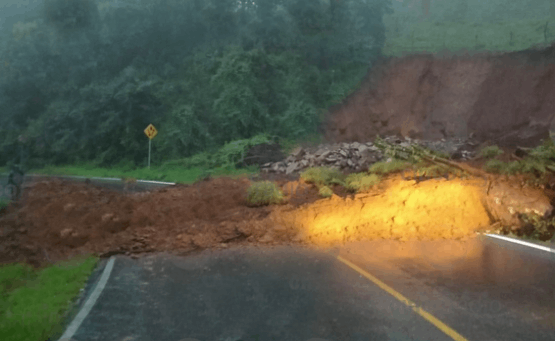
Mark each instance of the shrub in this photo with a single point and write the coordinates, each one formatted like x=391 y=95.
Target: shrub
x=490 y=152
x=494 y=166
x=546 y=151
x=3 y=204
x=323 y=176
x=542 y=228
x=264 y=193
x=513 y=167
x=385 y=167
x=361 y=182
x=325 y=192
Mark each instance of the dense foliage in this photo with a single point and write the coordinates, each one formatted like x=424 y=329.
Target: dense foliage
x=81 y=79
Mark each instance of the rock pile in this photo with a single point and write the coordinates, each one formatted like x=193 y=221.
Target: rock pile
x=355 y=156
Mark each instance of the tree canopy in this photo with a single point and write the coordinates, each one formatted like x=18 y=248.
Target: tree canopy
x=81 y=79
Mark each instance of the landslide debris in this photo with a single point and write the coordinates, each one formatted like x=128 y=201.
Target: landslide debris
x=505 y=98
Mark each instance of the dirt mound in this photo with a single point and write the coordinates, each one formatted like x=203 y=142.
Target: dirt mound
x=397 y=210
x=505 y=98
x=59 y=219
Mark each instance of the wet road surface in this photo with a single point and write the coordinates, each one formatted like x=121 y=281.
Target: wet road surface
x=483 y=289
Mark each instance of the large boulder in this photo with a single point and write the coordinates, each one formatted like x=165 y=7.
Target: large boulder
x=506 y=201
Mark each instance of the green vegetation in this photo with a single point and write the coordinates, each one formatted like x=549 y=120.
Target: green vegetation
x=4 y=203
x=272 y=68
x=325 y=192
x=264 y=193
x=358 y=182
x=542 y=228
x=435 y=170
x=33 y=302
x=538 y=161
x=163 y=173
x=323 y=176
x=221 y=162
x=490 y=152
x=443 y=34
x=393 y=166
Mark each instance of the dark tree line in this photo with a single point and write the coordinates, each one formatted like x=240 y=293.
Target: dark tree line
x=82 y=79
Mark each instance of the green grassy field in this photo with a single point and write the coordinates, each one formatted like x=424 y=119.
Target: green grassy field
x=33 y=302
x=169 y=174
x=435 y=37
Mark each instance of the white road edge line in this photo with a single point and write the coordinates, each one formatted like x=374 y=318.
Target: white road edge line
x=80 y=317
x=99 y=178
x=521 y=242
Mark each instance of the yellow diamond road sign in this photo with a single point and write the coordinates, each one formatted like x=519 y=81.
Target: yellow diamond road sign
x=151 y=132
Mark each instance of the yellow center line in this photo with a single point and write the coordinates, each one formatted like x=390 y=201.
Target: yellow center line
x=429 y=317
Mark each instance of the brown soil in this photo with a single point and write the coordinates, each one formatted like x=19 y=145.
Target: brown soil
x=59 y=219
x=507 y=99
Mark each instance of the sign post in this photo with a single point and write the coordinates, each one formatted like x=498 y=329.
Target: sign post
x=150 y=132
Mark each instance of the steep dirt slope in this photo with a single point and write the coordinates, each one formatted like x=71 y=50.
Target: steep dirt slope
x=508 y=99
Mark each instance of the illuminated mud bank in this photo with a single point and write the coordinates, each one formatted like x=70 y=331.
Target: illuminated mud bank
x=398 y=210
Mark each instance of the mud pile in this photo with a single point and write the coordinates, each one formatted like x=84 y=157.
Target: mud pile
x=508 y=99
x=60 y=219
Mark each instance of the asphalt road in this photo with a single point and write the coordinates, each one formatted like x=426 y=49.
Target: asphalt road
x=492 y=290
x=484 y=289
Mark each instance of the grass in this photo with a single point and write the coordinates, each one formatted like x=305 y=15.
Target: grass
x=323 y=176
x=159 y=173
x=264 y=193
x=325 y=192
x=393 y=166
x=358 y=182
x=490 y=152
x=434 y=37
x=33 y=302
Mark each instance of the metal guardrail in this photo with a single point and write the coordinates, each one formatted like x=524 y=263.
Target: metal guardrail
x=12 y=189
x=101 y=179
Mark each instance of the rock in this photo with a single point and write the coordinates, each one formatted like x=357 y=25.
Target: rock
x=321 y=151
x=325 y=154
x=506 y=202
x=297 y=153
x=68 y=207
x=291 y=168
x=267 y=238
x=362 y=148
x=66 y=232
x=107 y=217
